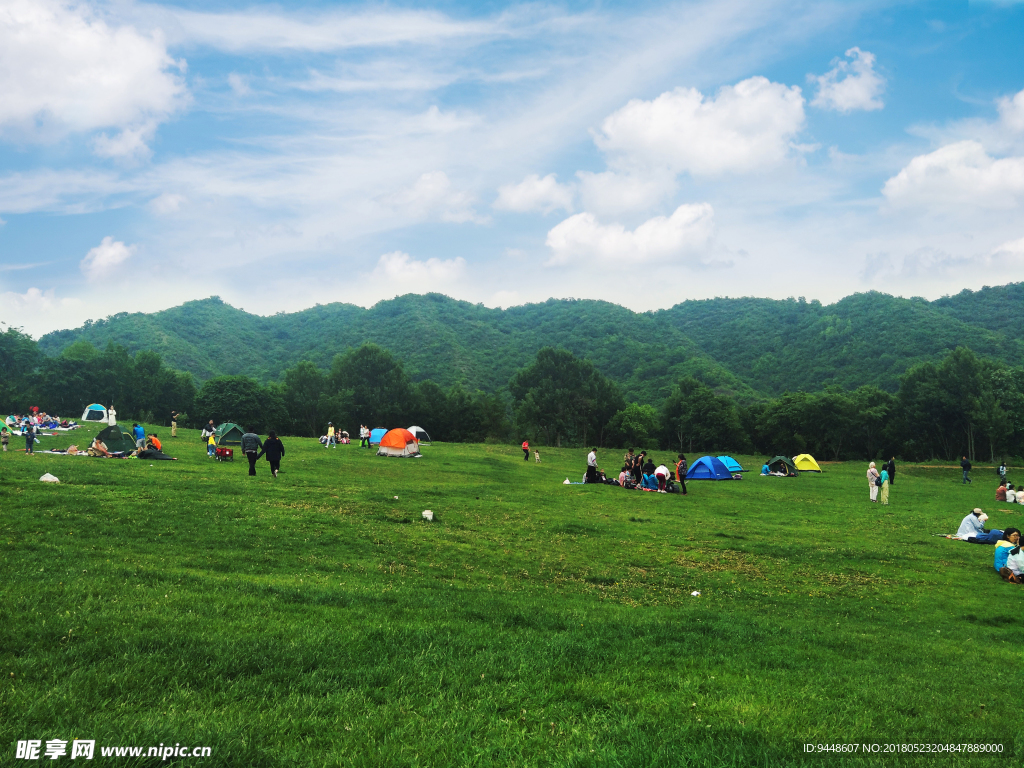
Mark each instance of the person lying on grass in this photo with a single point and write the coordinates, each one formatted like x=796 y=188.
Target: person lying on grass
x=1011 y=539
x=972 y=529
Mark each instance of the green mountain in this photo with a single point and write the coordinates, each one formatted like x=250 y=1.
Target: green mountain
x=744 y=347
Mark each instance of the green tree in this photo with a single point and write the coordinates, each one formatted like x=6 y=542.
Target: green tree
x=634 y=425
x=243 y=401
x=372 y=380
x=694 y=418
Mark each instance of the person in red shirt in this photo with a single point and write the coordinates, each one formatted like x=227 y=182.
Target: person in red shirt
x=526 y=450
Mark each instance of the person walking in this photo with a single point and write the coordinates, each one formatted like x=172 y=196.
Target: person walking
x=891 y=469
x=885 y=487
x=30 y=439
x=273 y=449
x=965 y=465
x=251 y=447
x=872 y=484
x=526 y=450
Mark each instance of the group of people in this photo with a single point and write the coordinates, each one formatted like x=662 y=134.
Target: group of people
x=880 y=482
x=255 y=449
x=1008 y=560
x=1006 y=492
x=334 y=437
x=639 y=472
x=29 y=427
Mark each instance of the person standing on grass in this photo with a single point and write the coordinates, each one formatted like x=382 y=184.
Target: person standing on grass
x=661 y=473
x=140 y=436
x=273 y=449
x=330 y=436
x=681 y=467
x=872 y=485
x=251 y=447
x=891 y=469
x=526 y=450
x=5 y=438
x=111 y=416
x=592 y=476
x=965 y=465
x=885 y=487
x=174 y=423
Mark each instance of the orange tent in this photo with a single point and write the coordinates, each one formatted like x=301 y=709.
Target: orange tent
x=399 y=442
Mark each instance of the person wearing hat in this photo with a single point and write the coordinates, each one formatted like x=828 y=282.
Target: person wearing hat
x=972 y=529
x=330 y=436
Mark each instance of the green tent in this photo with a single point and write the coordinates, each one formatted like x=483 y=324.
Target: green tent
x=783 y=464
x=228 y=434
x=116 y=440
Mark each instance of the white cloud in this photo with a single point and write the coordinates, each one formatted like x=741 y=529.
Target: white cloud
x=505 y=299
x=432 y=196
x=254 y=30
x=62 y=70
x=610 y=193
x=746 y=127
x=582 y=238
x=239 y=84
x=960 y=174
x=850 y=85
x=21 y=309
x=1011 y=111
x=535 y=194
x=401 y=268
x=167 y=203
x=102 y=260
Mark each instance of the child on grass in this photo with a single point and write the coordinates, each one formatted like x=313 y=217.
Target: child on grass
x=211 y=445
x=5 y=438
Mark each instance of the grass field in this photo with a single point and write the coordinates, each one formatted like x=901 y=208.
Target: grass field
x=317 y=620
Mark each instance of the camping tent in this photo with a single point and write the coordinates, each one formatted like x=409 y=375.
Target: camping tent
x=377 y=434
x=420 y=434
x=730 y=463
x=95 y=413
x=708 y=468
x=398 y=442
x=806 y=463
x=228 y=434
x=782 y=464
x=116 y=440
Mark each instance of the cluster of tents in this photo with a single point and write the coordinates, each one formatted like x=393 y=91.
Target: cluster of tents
x=727 y=468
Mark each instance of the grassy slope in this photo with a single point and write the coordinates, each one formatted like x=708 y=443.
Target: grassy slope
x=316 y=620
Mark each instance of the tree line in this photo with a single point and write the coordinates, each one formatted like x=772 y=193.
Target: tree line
x=961 y=405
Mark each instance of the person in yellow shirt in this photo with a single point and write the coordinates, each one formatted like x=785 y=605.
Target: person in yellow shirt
x=211 y=445
x=330 y=436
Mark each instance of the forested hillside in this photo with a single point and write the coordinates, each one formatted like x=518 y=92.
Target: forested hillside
x=741 y=347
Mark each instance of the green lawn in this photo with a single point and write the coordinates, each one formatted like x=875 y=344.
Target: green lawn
x=318 y=620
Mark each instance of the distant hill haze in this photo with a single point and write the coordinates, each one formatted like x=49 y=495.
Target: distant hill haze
x=743 y=347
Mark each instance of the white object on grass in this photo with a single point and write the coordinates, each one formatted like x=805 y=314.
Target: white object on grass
x=48 y=478
x=567 y=482
x=695 y=593
x=427 y=514
x=396 y=498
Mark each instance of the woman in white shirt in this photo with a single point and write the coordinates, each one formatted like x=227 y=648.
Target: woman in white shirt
x=872 y=475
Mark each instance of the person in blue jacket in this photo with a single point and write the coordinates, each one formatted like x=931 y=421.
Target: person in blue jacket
x=1011 y=538
x=140 y=436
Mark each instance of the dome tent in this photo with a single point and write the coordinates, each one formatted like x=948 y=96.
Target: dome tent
x=228 y=434
x=377 y=434
x=400 y=443
x=783 y=464
x=95 y=413
x=708 y=468
x=420 y=434
x=806 y=463
x=116 y=440
x=730 y=463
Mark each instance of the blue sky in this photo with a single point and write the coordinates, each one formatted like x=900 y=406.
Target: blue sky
x=643 y=153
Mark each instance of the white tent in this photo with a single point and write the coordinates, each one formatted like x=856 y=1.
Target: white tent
x=95 y=414
x=420 y=434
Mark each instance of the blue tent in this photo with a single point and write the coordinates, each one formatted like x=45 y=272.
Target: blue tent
x=708 y=468
x=730 y=463
x=376 y=435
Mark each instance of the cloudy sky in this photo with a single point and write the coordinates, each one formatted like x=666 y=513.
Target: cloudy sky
x=644 y=153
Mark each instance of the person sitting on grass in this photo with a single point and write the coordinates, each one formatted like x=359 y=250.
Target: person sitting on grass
x=1011 y=495
x=1015 y=564
x=154 y=441
x=98 y=448
x=1011 y=539
x=1001 y=491
x=972 y=529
